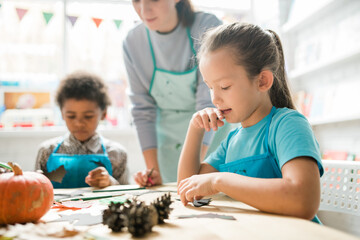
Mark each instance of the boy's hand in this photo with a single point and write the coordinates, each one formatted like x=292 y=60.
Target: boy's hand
x=99 y=177
x=141 y=178
x=4 y=170
x=208 y=118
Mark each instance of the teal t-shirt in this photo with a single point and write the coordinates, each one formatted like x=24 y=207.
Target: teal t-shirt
x=290 y=136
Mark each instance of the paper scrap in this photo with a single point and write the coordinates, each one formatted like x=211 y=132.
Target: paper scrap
x=207 y=215
x=72 y=205
x=82 y=219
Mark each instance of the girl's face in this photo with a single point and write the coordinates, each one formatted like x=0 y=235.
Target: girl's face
x=157 y=15
x=82 y=117
x=232 y=92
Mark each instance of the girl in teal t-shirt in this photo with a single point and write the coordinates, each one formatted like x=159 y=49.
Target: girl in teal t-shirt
x=272 y=162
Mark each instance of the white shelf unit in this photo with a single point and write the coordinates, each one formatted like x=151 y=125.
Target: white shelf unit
x=325 y=64
x=313 y=14
x=322 y=52
x=318 y=122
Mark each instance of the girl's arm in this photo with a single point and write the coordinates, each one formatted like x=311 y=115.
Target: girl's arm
x=296 y=194
x=193 y=150
x=189 y=163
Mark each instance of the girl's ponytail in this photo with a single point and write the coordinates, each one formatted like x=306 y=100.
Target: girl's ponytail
x=280 y=93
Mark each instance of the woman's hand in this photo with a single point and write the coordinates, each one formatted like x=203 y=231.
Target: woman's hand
x=141 y=178
x=196 y=187
x=208 y=118
x=99 y=177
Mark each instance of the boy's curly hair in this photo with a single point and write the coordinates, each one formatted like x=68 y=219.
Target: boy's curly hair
x=82 y=85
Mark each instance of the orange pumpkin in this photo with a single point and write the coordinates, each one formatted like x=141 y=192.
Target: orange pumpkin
x=24 y=197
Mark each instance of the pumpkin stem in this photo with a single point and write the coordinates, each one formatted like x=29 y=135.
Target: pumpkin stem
x=16 y=168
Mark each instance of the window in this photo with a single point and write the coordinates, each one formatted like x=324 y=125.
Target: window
x=42 y=41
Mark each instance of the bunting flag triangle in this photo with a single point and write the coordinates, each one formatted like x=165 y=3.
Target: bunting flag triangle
x=47 y=16
x=21 y=13
x=72 y=19
x=97 y=21
x=117 y=23
x=0 y=5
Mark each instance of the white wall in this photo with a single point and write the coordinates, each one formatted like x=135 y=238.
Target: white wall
x=21 y=146
x=322 y=53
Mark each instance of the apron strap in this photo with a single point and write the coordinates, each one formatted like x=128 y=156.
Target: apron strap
x=151 y=47
x=268 y=128
x=58 y=146
x=103 y=147
x=274 y=163
x=191 y=41
x=191 y=45
x=153 y=58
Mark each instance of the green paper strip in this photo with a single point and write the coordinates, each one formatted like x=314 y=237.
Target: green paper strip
x=4 y=165
x=84 y=198
x=91 y=236
x=107 y=201
x=118 y=190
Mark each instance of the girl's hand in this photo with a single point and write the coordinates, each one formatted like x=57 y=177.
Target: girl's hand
x=141 y=178
x=196 y=187
x=208 y=118
x=99 y=177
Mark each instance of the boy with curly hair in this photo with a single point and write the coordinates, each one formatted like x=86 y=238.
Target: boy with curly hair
x=82 y=157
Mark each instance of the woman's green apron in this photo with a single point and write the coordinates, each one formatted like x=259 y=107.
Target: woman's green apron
x=175 y=96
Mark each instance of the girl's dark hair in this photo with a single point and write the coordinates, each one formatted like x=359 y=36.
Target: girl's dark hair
x=82 y=85
x=185 y=12
x=256 y=49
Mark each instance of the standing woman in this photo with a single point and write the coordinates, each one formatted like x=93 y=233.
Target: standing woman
x=166 y=88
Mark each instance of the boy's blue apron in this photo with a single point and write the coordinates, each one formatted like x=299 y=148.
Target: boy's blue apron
x=258 y=166
x=175 y=96
x=76 y=166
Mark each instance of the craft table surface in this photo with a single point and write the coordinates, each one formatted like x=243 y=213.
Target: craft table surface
x=249 y=224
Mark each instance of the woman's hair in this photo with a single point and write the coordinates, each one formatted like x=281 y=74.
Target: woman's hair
x=185 y=12
x=256 y=49
x=82 y=85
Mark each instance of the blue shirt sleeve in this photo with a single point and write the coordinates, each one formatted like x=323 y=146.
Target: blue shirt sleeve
x=291 y=136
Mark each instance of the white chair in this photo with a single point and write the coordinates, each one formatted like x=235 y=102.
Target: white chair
x=340 y=192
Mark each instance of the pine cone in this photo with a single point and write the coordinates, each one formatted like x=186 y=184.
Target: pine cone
x=154 y=216
x=140 y=219
x=162 y=206
x=116 y=216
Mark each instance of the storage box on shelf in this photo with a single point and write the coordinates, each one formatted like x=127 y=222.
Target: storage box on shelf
x=340 y=192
